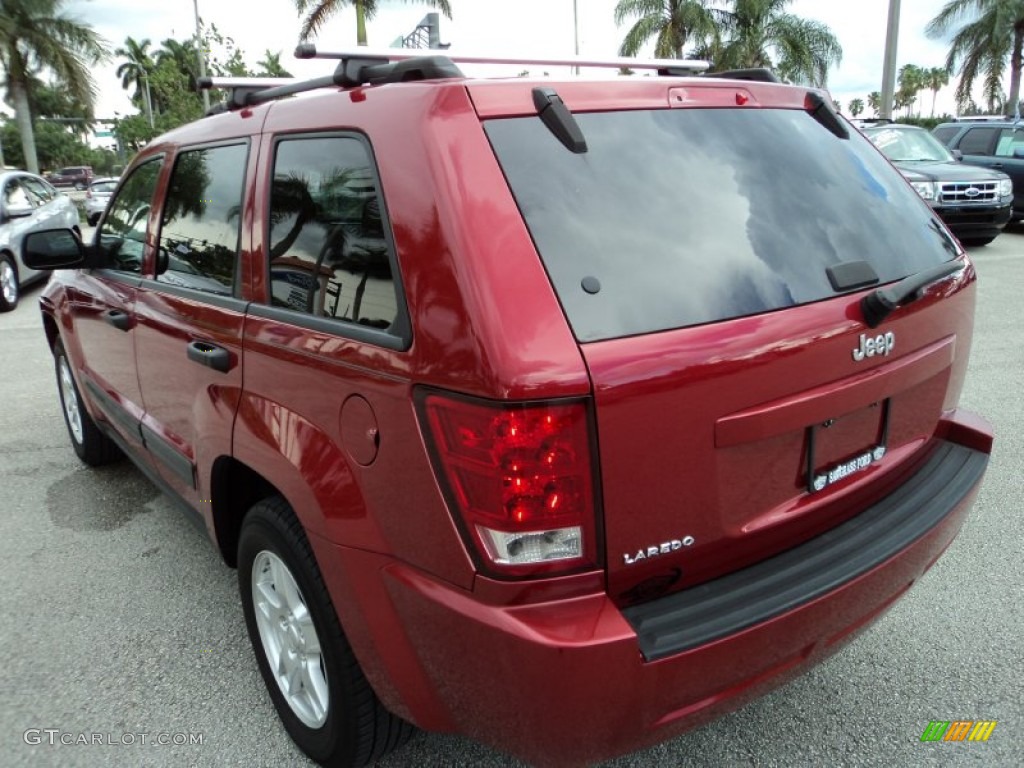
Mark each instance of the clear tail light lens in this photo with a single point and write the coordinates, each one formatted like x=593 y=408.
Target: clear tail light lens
x=520 y=479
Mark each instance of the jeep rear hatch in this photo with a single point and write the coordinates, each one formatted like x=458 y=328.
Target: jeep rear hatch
x=743 y=405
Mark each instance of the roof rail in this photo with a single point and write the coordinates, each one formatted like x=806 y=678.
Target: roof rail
x=352 y=71
x=758 y=74
x=687 y=66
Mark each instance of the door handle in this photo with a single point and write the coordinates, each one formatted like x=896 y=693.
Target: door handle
x=997 y=165
x=118 y=318
x=210 y=355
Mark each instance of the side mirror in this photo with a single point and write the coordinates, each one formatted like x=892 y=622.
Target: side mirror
x=17 y=211
x=957 y=155
x=1018 y=152
x=53 y=249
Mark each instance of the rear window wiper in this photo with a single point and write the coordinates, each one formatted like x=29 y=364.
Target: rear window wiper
x=559 y=120
x=879 y=304
x=822 y=110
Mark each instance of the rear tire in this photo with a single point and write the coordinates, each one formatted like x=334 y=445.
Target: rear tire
x=10 y=289
x=90 y=444
x=324 y=701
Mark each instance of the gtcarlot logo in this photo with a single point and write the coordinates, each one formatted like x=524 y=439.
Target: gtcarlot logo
x=55 y=736
x=958 y=730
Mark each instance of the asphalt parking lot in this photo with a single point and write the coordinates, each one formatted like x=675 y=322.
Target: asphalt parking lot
x=117 y=617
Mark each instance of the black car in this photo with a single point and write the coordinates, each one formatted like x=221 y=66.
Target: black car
x=991 y=144
x=976 y=203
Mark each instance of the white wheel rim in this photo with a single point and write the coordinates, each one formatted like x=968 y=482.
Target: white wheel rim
x=8 y=282
x=69 y=398
x=289 y=639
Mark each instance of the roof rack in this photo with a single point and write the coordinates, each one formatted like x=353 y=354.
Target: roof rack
x=364 y=66
x=688 y=66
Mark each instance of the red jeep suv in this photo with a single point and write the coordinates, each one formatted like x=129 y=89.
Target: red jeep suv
x=565 y=415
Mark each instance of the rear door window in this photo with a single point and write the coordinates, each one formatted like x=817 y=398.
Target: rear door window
x=330 y=255
x=675 y=218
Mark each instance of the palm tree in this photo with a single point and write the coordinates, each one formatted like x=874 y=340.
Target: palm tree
x=935 y=79
x=875 y=101
x=673 y=23
x=135 y=71
x=182 y=56
x=34 y=35
x=988 y=33
x=760 y=33
x=856 y=107
x=321 y=10
x=911 y=80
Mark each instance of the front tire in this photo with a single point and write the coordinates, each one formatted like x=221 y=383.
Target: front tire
x=976 y=241
x=10 y=289
x=90 y=444
x=326 y=704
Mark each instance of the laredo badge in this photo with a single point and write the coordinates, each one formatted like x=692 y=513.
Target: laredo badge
x=661 y=549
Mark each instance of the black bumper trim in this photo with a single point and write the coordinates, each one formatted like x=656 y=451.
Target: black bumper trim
x=728 y=604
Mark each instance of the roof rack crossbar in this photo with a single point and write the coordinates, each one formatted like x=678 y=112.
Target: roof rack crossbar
x=687 y=66
x=351 y=72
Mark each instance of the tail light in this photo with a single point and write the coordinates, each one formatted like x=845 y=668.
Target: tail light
x=519 y=479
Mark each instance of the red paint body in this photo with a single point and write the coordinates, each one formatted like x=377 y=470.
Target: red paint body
x=698 y=432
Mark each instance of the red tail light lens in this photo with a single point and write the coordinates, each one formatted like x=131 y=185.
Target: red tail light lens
x=521 y=479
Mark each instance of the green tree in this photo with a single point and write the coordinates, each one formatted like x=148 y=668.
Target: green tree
x=935 y=79
x=135 y=71
x=319 y=11
x=673 y=24
x=875 y=102
x=270 y=66
x=38 y=35
x=181 y=56
x=986 y=35
x=55 y=145
x=856 y=107
x=761 y=33
x=911 y=79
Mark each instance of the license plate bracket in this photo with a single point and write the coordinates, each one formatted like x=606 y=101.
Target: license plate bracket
x=818 y=479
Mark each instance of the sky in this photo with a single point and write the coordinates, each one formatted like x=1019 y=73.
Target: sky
x=539 y=27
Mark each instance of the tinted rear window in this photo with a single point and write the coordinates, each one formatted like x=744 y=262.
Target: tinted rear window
x=692 y=216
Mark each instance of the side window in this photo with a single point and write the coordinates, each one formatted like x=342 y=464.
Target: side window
x=1010 y=139
x=202 y=219
x=946 y=133
x=977 y=141
x=16 y=196
x=122 y=238
x=329 y=256
x=39 y=188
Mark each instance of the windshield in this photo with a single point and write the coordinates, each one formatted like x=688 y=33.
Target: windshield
x=678 y=217
x=909 y=145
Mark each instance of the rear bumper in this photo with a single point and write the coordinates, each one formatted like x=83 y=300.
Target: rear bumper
x=574 y=681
